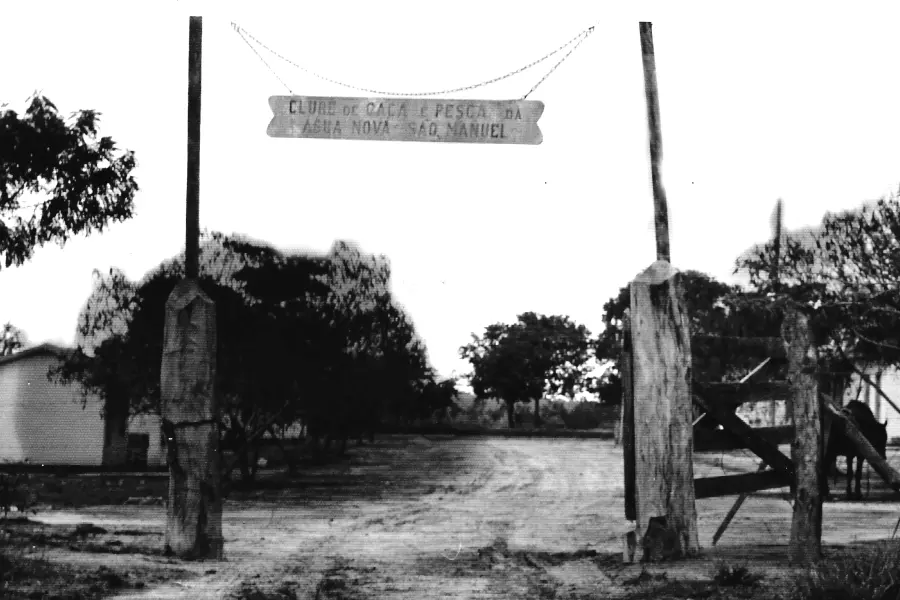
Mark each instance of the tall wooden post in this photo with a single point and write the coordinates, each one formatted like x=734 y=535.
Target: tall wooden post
x=773 y=276
x=192 y=229
x=661 y=209
x=807 y=449
x=665 y=511
x=190 y=413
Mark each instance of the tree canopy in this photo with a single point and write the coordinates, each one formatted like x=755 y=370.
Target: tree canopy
x=521 y=362
x=79 y=181
x=317 y=339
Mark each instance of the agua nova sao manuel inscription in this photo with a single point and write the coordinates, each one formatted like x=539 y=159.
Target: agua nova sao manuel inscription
x=407 y=119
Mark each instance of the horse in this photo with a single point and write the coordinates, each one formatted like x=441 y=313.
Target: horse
x=840 y=445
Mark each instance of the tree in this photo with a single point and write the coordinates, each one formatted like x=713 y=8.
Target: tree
x=715 y=308
x=312 y=338
x=536 y=356
x=83 y=182
x=846 y=274
x=12 y=339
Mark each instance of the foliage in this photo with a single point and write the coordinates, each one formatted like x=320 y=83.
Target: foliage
x=845 y=274
x=714 y=308
x=82 y=181
x=12 y=339
x=316 y=339
x=522 y=362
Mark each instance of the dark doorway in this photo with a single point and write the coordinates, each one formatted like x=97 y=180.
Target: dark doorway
x=136 y=450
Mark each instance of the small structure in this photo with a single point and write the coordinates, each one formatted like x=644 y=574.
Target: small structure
x=49 y=423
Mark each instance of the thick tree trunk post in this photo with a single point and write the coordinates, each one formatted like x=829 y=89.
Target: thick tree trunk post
x=663 y=424
x=807 y=449
x=190 y=413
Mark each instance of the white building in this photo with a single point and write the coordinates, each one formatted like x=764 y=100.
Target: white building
x=44 y=422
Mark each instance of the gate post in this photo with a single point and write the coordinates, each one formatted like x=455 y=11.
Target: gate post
x=663 y=424
x=807 y=449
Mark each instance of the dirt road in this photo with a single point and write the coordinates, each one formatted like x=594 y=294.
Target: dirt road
x=460 y=518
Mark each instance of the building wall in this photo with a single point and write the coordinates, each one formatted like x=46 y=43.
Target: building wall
x=44 y=422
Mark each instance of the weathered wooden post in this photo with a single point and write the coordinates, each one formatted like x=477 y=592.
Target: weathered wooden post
x=665 y=511
x=663 y=424
x=189 y=409
x=807 y=450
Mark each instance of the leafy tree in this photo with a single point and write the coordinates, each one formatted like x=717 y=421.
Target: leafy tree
x=845 y=273
x=12 y=339
x=297 y=340
x=81 y=181
x=536 y=356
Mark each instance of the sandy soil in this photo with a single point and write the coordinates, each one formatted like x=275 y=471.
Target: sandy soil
x=413 y=517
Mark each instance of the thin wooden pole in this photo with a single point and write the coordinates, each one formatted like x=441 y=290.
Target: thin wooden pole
x=773 y=275
x=192 y=229
x=661 y=208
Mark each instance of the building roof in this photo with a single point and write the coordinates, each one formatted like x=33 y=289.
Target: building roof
x=41 y=350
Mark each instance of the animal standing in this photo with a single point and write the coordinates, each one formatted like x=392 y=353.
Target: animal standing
x=840 y=445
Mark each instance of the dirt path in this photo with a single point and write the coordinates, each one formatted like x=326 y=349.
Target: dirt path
x=415 y=518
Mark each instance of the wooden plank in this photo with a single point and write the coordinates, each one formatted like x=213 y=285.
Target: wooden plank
x=754 y=442
x=406 y=119
x=731 y=485
x=660 y=337
x=720 y=345
x=732 y=394
x=807 y=449
x=628 y=418
x=733 y=511
x=721 y=440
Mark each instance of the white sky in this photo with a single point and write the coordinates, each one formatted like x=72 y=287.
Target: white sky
x=799 y=103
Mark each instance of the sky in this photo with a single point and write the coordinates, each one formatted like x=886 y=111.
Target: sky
x=795 y=102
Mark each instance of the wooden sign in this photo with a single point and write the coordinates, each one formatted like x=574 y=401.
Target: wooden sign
x=407 y=119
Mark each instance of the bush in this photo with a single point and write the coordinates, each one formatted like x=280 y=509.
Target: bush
x=728 y=575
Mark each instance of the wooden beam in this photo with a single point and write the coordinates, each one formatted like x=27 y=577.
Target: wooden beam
x=722 y=440
x=752 y=440
x=731 y=485
x=733 y=511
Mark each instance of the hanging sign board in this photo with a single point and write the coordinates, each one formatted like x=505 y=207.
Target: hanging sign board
x=407 y=119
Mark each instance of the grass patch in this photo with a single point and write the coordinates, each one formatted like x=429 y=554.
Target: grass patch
x=870 y=572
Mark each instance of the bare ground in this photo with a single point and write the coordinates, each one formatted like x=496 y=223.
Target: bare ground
x=415 y=517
